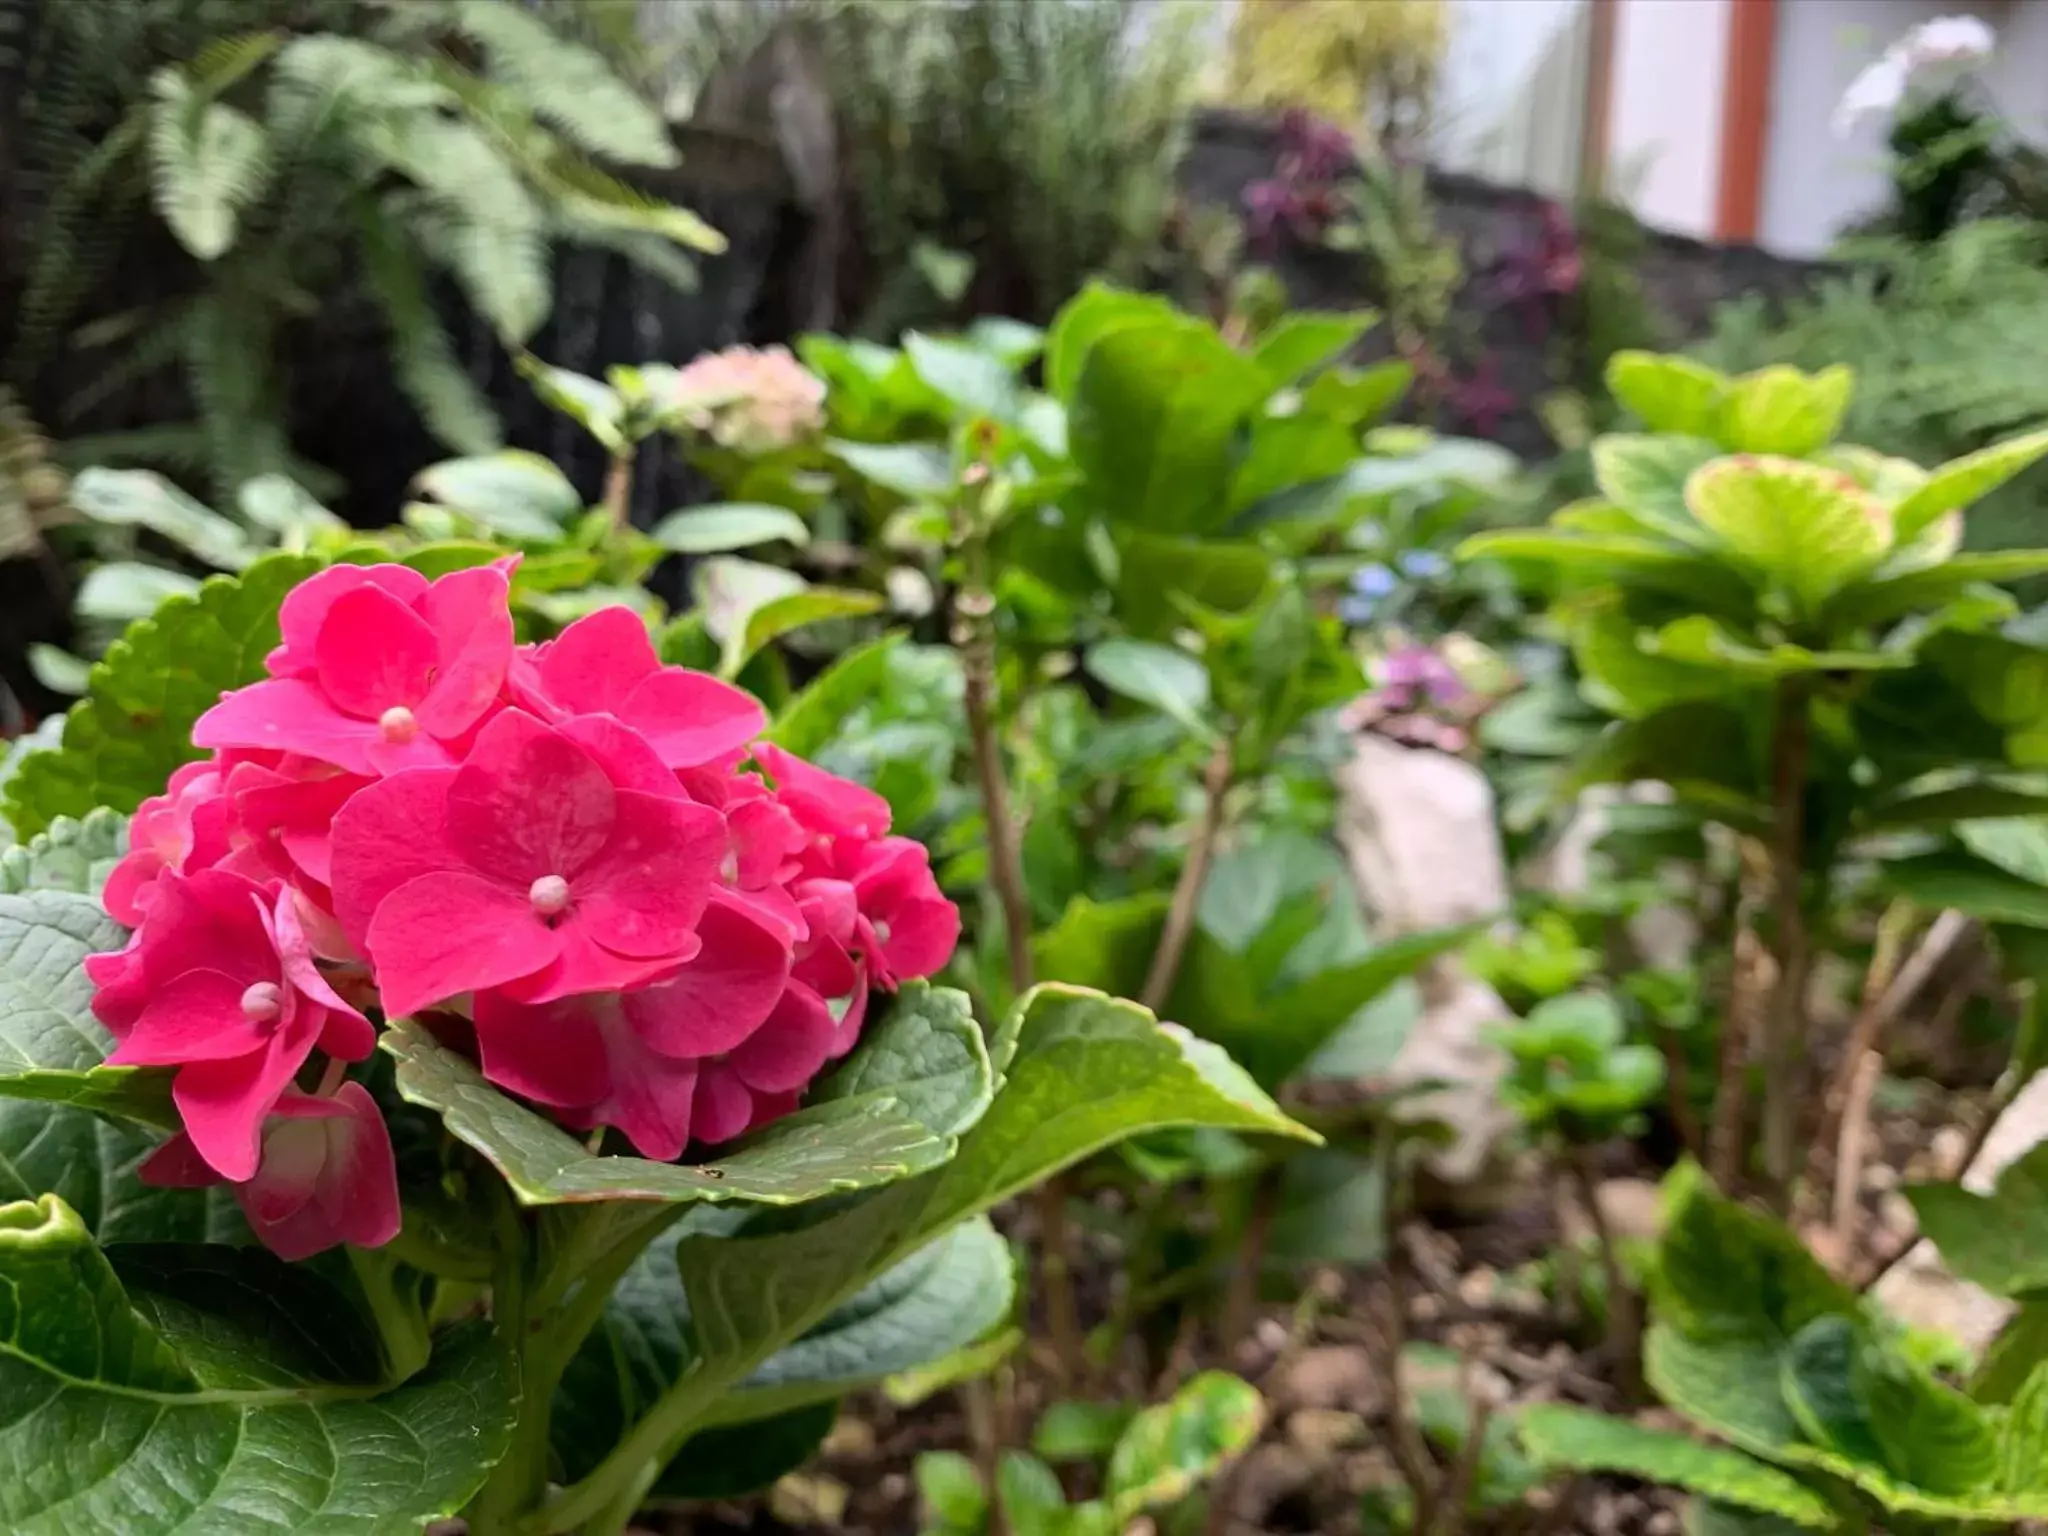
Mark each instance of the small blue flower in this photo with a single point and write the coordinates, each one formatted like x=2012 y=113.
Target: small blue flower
x=1356 y=611
x=1373 y=581
x=1423 y=565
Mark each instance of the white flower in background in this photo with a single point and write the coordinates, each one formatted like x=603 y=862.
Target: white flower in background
x=1928 y=59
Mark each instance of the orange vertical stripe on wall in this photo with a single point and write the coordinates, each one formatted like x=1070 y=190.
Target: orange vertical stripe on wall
x=1745 y=117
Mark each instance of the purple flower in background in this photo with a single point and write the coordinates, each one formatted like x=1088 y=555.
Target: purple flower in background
x=1417 y=668
x=1319 y=149
x=1369 y=584
x=1480 y=400
x=1423 y=565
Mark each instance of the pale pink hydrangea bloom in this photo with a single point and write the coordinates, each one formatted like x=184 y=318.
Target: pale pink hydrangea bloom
x=751 y=401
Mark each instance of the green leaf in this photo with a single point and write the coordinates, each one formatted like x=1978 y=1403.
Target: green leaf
x=1962 y=481
x=1155 y=424
x=1972 y=886
x=1783 y=411
x=1079 y=1431
x=1095 y=312
x=124 y=590
x=975 y=381
x=2016 y=844
x=845 y=1140
x=2023 y=1437
x=1029 y=1491
x=1820 y=1379
x=2012 y=1357
x=591 y=403
x=1999 y=1240
x=1174 y=1447
x=1306 y=339
x=1724 y=1270
x=729 y=525
x=1701 y=641
x=730 y=1461
x=210 y=163
x=58 y=669
x=220 y=1389
x=1931 y=1435
x=815 y=714
x=136 y=498
x=68 y=855
x=1103 y=945
x=779 y=616
x=1669 y=394
x=951 y=1489
x=1565 y=1439
x=1808 y=529
x=1728 y=1387
x=1082 y=1071
x=911 y=470
x=1648 y=476
x=122 y=741
x=939 y=1299
x=1358 y=397
x=284 y=507
x=1890 y=597
x=512 y=492
x=1162 y=677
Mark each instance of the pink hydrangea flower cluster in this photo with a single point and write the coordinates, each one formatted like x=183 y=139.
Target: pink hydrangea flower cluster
x=574 y=860
x=751 y=401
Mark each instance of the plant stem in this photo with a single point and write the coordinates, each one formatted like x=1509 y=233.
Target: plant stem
x=1187 y=891
x=1624 y=1310
x=518 y=1480
x=618 y=488
x=1242 y=1299
x=1728 y=1137
x=1872 y=1011
x=1785 y=1026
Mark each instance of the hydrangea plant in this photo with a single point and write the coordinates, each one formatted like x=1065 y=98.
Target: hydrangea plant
x=519 y=1000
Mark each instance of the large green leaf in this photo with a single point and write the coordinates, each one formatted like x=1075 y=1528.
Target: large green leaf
x=1081 y=1071
x=134 y=726
x=2023 y=1437
x=512 y=492
x=1999 y=1240
x=975 y=382
x=1156 y=422
x=1172 y=1448
x=1670 y=394
x=1725 y=1271
x=1162 y=676
x=729 y=525
x=67 y=855
x=1096 y=311
x=940 y=1299
x=1810 y=530
x=811 y=719
x=1567 y=1439
x=221 y=1393
x=1303 y=340
x=1932 y=1436
x=1971 y=885
x=1781 y=410
x=891 y=1111
x=1648 y=475
x=1962 y=481
x=908 y=469
x=1891 y=597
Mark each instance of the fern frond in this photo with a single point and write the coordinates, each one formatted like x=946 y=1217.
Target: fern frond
x=566 y=84
x=230 y=358
x=650 y=253
x=208 y=163
x=454 y=409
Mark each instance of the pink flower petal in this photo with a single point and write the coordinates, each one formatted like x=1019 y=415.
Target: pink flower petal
x=387 y=836
x=177 y=1165
x=529 y=802
x=223 y=1103
x=293 y=1157
x=358 y=1197
x=642 y=895
x=352 y=1196
x=288 y=715
x=789 y=1050
x=444 y=934
x=194 y=1017
x=374 y=653
x=584 y=965
x=472 y=624
x=344 y=1034
x=722 y=996
x=722 y=1108
x=691 y=718
x=550 y=1053
x=597 y=661
x=824 y=802
x=623 y=753
x=305 y=608
x=765 y=838
x=653 y=1098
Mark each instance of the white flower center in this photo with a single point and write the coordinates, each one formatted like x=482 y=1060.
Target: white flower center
x=397 y=725
x=549 y=895
x=262 y=1002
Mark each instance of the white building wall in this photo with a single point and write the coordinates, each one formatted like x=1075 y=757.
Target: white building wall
x=1664 y=122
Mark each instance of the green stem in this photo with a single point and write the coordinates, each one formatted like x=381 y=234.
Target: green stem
x=520 y=1476
x=1785 y=1025
x=394 y=1299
